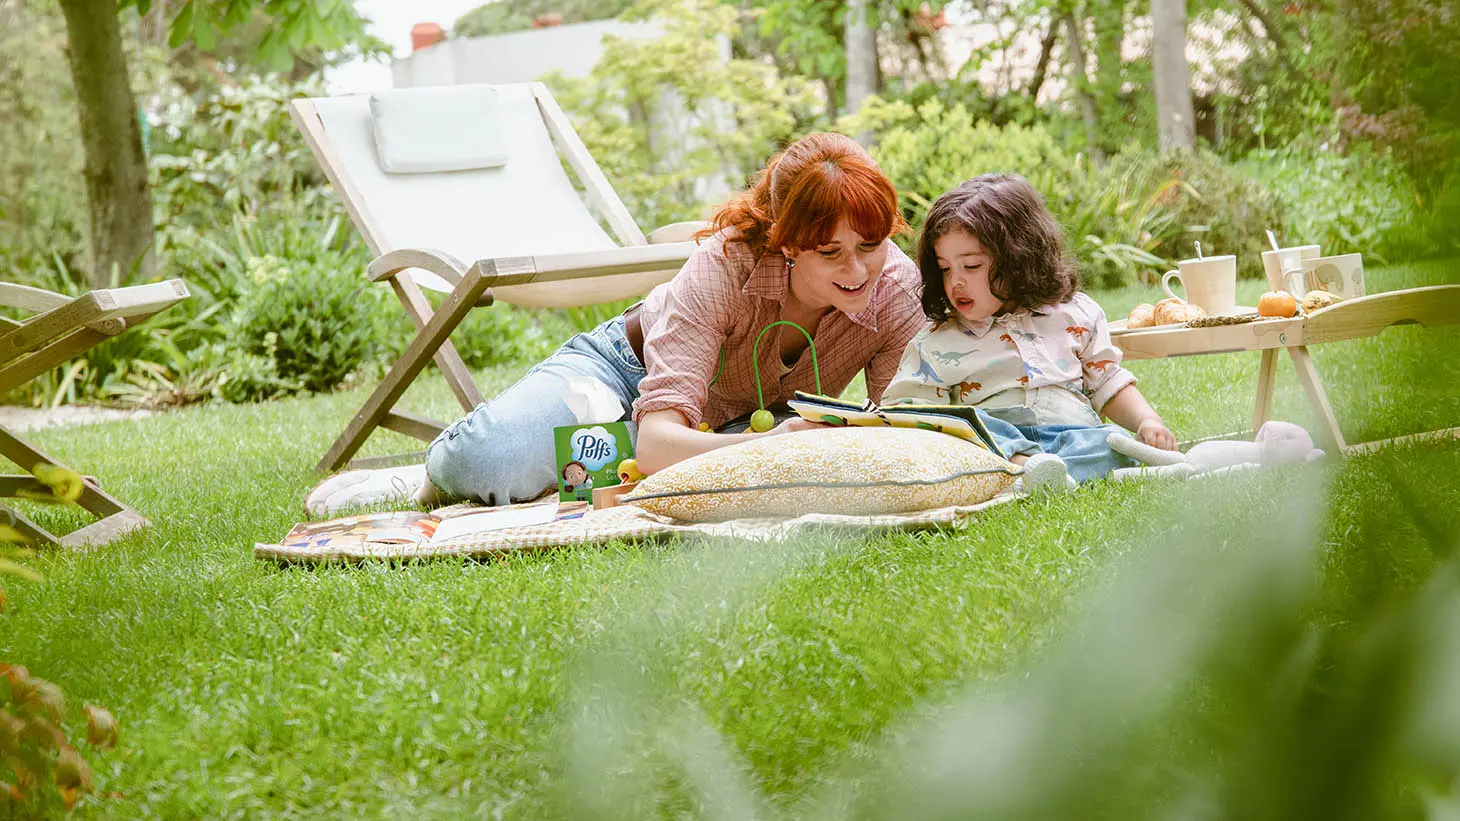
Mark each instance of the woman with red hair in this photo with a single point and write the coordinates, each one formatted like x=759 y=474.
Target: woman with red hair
x=808 y=244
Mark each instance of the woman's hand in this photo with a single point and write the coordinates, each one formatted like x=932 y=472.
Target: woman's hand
x=1154 y=432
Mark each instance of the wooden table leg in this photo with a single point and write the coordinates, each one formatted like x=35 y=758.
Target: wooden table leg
x=1308 y=376
x=1266 y=375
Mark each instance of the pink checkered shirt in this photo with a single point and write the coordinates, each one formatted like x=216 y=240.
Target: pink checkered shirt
x=724 y=296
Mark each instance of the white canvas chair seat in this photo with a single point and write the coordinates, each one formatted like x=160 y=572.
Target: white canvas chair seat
x=62 y=328
x=521 y=229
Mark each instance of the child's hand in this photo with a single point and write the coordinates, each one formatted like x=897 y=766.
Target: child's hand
x=1155 y=433
x=794 y=424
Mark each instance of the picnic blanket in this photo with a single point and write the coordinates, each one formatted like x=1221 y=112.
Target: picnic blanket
x=625 y=523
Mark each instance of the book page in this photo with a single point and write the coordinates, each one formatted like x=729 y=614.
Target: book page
x=497 y=518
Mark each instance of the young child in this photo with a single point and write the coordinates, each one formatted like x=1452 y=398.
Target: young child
x=1013 y=336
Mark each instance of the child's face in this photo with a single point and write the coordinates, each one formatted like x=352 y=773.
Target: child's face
x=839 y=273
x=966 y=266
x=575 y=475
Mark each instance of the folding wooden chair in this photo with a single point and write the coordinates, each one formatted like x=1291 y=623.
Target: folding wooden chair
x=61 y=329
x=525 y=232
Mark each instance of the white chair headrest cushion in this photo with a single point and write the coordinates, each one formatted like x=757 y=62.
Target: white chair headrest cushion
x=444 y=128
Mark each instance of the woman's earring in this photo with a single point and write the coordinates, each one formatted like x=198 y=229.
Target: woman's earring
x=790 y=264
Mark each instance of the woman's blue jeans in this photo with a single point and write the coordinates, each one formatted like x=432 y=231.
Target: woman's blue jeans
x=502 y=451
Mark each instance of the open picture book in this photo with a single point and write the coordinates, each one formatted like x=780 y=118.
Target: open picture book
x=415 y=527
x=956 y=420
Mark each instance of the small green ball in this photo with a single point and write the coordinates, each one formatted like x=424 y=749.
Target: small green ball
x=762 y=421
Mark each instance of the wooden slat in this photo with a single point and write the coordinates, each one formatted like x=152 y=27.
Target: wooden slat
x=394 y=460
x=139 y=299
x=105 y=530
x=63 y=350
x=1368 y=315
x=12 y=486
x=1433 y=436
x=409 y=424
x=447 y=358
x=1266 y=378
x=306 y=116
x=437 y=262
x=1180 y=341
x=600 y=192
x=410 y=364
x=44 y=328
x=93 y=499
x=26 y=298
x=1328 y=430
x=590 y=265
x=38 y=535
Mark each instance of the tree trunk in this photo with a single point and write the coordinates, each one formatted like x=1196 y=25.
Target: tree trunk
x=1041 y=68
x=861 y=45
x=1081 y=82
x=1175 y=121
x=1109 y=20
x=116 y=170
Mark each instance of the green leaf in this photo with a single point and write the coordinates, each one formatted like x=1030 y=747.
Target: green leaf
x=204 y=35
x=182 y=25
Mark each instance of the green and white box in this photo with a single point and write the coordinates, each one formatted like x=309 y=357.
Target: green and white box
x=589 y=456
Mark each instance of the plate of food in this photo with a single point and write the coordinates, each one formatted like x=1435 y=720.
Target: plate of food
x=1173 y=313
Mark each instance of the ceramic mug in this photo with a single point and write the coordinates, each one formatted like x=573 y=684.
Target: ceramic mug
x=1276 y=263
x=1342 y=275
x=1210 y=282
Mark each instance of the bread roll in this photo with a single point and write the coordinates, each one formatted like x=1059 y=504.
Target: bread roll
x=1170 y=311
x=1141 y=316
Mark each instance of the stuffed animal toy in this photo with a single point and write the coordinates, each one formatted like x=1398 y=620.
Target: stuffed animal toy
x=1276 y=443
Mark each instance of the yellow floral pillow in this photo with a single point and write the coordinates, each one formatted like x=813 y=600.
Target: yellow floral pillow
x=855 y=471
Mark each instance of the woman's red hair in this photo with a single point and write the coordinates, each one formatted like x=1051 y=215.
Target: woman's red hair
x=804 y=191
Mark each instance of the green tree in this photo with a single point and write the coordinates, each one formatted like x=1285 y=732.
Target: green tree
x=809 y=37
x=505 y=16
x=119 y=199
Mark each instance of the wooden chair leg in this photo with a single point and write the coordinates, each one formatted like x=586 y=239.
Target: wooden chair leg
x=447 y=359
x=114 y=518
x=1266 y=374
x=1328 y=429
x=410 y=364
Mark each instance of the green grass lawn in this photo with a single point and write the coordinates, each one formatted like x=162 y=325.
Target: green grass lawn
x=1109 y=653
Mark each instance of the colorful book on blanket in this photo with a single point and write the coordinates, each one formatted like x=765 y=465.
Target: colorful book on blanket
x=415 y=527
x=957 y=420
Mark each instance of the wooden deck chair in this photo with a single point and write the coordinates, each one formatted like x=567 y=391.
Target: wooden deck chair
x=60 y=329
x=487 y=214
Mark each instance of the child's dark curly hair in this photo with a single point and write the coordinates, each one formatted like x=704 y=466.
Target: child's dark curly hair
x=1009 y=218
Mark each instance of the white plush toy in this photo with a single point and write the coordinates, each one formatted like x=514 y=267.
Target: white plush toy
x=1276 y=443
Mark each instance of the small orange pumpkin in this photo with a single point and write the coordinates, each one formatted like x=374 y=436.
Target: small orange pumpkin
x=1277 y=303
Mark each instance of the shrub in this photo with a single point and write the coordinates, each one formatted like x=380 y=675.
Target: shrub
x=929 y=149
x=310 y=324
x=1359 y=202
x=1208 y=201
x=1112 y=224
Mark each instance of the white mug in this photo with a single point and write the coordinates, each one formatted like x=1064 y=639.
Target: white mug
x=1210 y=282
x=1342 y=275
x=1277 y=263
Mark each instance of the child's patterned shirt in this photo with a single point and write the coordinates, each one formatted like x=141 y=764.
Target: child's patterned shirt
x=1051 y=366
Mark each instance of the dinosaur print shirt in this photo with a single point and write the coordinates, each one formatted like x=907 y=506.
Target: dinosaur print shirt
x=1051 y=366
